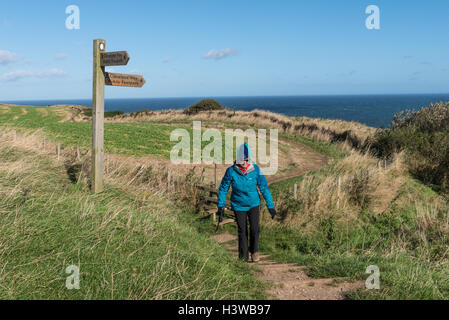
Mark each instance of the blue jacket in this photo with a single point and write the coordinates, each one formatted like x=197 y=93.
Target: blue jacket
x=244 y=195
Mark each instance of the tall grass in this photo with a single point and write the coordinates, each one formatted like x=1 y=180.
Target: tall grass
x=357 y=212
x=129 y=243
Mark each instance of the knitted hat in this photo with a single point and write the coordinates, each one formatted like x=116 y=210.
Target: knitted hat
x=243 y=152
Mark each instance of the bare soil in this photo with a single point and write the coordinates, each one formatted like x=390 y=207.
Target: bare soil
x=291 y=282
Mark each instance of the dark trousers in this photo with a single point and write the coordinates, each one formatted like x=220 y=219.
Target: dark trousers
x=242 y=218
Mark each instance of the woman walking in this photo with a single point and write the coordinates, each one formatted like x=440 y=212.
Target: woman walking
x=244 y=177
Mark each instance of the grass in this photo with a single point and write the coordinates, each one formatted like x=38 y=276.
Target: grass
x=398 y=224
x=331 y=150
x=347 y=216
x=147 y=139
x=128 y=138
x=402 y=275
x=127 y=245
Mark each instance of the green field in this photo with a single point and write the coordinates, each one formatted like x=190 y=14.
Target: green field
x=129 y=138
x=121 y=138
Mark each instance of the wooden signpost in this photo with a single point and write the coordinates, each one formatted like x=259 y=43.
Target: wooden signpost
x=118 y=58
x=124 y=80
x=101 y=59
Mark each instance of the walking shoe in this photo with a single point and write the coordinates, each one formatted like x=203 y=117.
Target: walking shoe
x=255 y=257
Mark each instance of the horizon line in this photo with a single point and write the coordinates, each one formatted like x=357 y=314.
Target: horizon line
x=243 y=96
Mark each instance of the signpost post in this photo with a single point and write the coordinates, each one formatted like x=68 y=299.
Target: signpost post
x=101 y=59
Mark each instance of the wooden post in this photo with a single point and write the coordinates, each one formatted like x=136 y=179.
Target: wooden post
x=295 y=191
x=14 y=135
x=100 y=79
x=215 y=175
x=338 y=192
x=78 y=153
x=58 y=150
x=98 y=117
x=43 y=144
x=168 y=180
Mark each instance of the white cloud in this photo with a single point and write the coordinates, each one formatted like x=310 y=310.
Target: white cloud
x=61 y=56
x=167 y=60
x=21 y=74
x=7 y=57
x=220 y=54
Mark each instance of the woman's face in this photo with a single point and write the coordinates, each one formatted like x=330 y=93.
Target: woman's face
x=244 y=163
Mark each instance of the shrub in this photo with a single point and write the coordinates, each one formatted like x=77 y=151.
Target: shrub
x=203 y=105
x=424 y=135
x=359 y=189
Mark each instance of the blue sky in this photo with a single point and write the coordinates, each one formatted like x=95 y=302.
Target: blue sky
x=226 y=48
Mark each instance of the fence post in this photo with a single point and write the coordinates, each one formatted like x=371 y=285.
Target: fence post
x=43 y=144
x=295 y=191
x=215 y=175
x=14 y=135
x=168 y=179
x=338 y=192
x=58 y=150
x=78 y=154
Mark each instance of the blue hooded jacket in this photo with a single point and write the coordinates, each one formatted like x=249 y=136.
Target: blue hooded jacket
x=244 y=195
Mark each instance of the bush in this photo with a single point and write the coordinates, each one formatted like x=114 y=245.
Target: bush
x=203 y=105
x=424 y=135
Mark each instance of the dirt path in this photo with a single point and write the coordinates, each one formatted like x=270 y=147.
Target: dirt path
x=300 y=159
x=290 y=282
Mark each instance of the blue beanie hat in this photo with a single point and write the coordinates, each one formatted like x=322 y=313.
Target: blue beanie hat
x=243 y=152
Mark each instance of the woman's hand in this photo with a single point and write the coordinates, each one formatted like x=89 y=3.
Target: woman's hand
x=220 y=214
x=272 y=212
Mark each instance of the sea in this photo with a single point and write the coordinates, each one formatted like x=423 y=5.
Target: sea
x=372 y=110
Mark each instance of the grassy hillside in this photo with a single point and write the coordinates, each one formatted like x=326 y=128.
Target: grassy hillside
x=378 y=216
x=355 y=212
